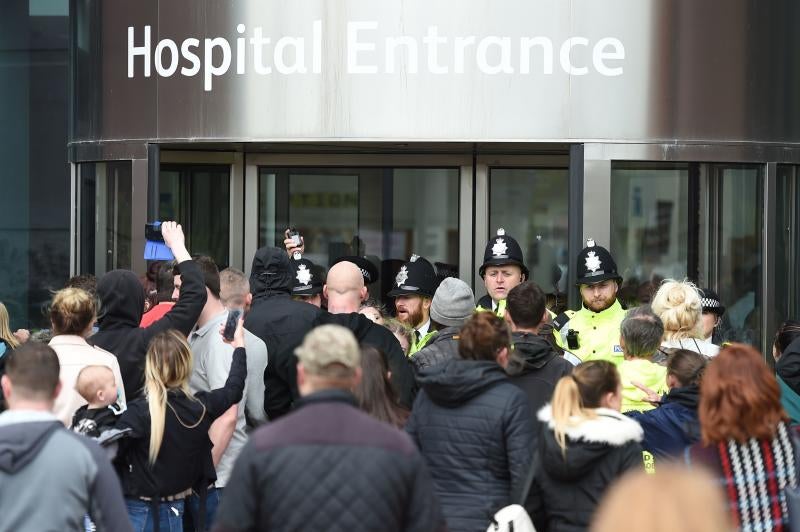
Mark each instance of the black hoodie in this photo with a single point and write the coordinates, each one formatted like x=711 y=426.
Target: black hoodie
x=788 y=366
x=370 y=333
x=476 y=433
x=121 y=308
x=536 y=367
x=281 y=323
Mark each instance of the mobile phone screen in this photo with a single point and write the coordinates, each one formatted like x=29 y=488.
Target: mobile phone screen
x=230 y=324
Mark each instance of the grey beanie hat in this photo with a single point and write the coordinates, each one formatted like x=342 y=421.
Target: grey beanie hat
x=453 y=303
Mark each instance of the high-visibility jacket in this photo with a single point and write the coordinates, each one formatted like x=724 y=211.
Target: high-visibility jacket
x=598 y=332
x=422 y=342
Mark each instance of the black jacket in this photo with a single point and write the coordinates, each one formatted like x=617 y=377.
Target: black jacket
x=370 y=333
x=184 y=460
x=788 y=366
x=328 y=466
x=439 y=349
x=567 y=488
x=476 y=433
x=121 y=308
x=674 y=425
x=536 y=367
x=281 y=323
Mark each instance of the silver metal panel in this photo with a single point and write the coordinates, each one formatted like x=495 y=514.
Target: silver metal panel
x=237 y=212
x=770 y=228
x=481 y=227
x=597 y=201
x=465 y=227
x=711 y=71
x=138 y=214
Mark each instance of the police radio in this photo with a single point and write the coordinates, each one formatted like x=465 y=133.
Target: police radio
x=572 y=339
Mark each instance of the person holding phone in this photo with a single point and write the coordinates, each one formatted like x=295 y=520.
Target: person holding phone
x=211 y=367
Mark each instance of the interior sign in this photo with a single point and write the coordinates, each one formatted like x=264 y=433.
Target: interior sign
x=368 y=51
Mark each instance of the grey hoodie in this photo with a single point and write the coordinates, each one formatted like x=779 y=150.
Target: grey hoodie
x=50 y=477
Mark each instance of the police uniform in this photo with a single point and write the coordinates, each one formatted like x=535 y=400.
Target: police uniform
x=502 y=250
x=306 y=282
x=417 y=277
x=587 y=334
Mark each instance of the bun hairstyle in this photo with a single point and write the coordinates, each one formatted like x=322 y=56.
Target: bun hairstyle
x=678 y=305
x=482 y=336
x=72 y=311
x=577 y=395
x=686 y=366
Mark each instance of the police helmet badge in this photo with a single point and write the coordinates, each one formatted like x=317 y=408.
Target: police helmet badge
x=303 y=274
x=402 y=276
x=499 y=248
x=592 y=262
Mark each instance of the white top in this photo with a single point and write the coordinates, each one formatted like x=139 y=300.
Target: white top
x=74 y=354
x=694 y=344
x=423 y=330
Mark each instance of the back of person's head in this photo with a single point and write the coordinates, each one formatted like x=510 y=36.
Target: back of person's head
x=164 y=282
x=576 y=396
x=453 y=303
x=5 y=328
x=331 y=356
x=739 y=397
x=483 y=336
x=234 y=287
x=686 y=366
x=210 y=273
x=92 y=379
x=788 y=332
x=641 y=332
x=678 y=305
x=72 y=311
x=33 y=372
x=674 y=499
x=168 y=365
x=85 y=281
x=344 y=287
x=526 y=304
x=374 y=393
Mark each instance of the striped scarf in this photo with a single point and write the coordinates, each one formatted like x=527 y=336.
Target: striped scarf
x=755 y=475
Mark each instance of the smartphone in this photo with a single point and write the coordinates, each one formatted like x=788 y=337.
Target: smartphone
x=231 y=323
x=294 y=234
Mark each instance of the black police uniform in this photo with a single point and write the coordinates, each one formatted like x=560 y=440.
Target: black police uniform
x=502 y=250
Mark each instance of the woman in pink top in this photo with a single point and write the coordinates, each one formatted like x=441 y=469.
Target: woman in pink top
x=72 y=314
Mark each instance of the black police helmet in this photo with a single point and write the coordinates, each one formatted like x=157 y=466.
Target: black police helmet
x=595 y=265
x=305 y=282
x=416 y=277
x=503 y=250
x=711 y=302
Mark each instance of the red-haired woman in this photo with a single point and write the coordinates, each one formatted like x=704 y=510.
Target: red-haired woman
x=745 y=438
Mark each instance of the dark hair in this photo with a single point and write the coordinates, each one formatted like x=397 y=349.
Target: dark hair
x=33 y=370
x=374 y=393
x=788 y=332
x=164 y=282
x=526 y=303
x=641 y=332
x=686 y=366
x=482 y=336
x=210 y=273
x=739 y=397
x=85 y=281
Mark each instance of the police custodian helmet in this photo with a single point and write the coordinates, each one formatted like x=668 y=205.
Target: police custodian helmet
x=502 y=250
x=415 y=278
x=304 y=282
x=595 y=265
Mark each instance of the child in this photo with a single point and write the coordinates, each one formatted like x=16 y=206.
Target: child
x=97 y=386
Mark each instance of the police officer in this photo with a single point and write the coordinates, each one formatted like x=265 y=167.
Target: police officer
x=306 y=280
x=503 y=268
x=592 y=333
x=413 y=291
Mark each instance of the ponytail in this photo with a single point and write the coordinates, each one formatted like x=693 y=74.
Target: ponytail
x=578 y=395
x=156 y=394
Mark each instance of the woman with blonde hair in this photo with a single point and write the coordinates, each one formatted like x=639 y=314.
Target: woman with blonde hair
x=72 y=314
x=679 y=305
x=168 y=453
x=7 y=342
x=585 y=444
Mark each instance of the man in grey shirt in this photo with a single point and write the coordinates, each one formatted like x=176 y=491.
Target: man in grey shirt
x=50 y=478
x=212 y=361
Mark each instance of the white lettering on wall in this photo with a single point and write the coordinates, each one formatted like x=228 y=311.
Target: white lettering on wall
x=368 y=51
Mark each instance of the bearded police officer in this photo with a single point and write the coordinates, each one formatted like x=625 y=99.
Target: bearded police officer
x=503 y=268
x=306 y=281
x=415 y=285
x=592 y=333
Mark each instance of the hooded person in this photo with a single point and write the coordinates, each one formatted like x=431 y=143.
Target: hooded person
x=453 y=304
x=122 y=305
x=281 y=323
x=787 y=369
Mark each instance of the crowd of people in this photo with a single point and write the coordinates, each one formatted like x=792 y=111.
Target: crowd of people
x=202 y=399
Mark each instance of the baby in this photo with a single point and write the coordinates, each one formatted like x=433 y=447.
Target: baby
x=97 y=386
